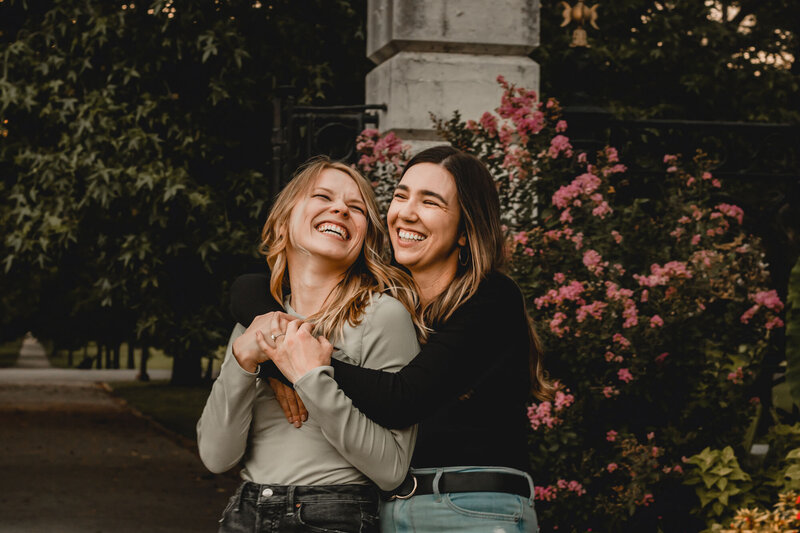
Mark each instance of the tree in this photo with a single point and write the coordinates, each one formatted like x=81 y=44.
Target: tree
x=133 y=156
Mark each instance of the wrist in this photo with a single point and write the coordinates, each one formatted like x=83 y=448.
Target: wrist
x=245 y=360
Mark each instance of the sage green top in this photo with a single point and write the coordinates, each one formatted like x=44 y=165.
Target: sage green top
x=338 y=444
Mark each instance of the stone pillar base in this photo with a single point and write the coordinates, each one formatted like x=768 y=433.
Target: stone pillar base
x=415 y=84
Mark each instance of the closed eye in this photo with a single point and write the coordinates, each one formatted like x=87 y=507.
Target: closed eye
x=357 y=208
x=320 y=195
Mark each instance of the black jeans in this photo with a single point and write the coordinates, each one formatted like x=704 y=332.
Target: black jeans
x=258 y=508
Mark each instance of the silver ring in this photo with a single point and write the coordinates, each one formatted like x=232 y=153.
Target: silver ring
x=275 y=337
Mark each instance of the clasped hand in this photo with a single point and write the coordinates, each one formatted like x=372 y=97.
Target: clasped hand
x=295 y=351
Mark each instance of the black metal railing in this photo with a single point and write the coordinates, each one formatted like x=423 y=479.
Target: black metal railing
x=300 y=132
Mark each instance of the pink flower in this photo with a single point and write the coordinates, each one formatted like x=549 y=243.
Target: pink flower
x=611 y=435
x=608 y=392
x=651 y=435
x=670 y=158
x=563 y=400
x=565 y=218
x=747 y=315
x=591 y=259
x=602 y=210
x=645 y=295
x=612 y=156
x=555 y=324
x=529 y=252
x=541 y=416
x=631 y=314
x=696 y=240
x=774 y=322
x=610 y=356
x=706 y=175
x=672 y=169
x=622 y=341
x=594 y=309
x=660 y=358
x=768 y=299
x=732 y=211
x=559 y=277
x=646 y=500
x=656 y=321
x=582 y=157
x=611 y=467
x=625 y=375
x=617 y=236
x=489 y=123
x=715 y=183
x=561 y=126
x=736 y=377
x=584 y=184
x=521 y=237
x=546 y=494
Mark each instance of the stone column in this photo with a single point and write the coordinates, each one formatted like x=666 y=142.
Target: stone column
x=438 y=56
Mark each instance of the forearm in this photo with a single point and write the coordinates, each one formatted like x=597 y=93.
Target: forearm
x=223 y=428
x=382 y=454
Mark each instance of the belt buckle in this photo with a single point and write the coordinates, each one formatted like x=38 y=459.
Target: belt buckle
x=406 y=496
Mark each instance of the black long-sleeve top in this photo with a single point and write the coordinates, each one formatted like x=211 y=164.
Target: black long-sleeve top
x=467 y=388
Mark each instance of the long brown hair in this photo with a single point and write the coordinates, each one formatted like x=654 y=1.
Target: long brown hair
x=369 y=274
x=485 y=248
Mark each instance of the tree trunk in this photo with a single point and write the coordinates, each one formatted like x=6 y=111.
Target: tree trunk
x=143 y=375
x=131 y=362
x=69 y=357
x=99 y=356
x=209 y=373
x=107 y=353
x=187 y=368
x=115 y=355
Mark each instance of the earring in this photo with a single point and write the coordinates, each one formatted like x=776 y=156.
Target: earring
x=463 y=256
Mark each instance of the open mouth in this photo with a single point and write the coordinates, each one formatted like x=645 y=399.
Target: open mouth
x=333 y=229
x=406 y=235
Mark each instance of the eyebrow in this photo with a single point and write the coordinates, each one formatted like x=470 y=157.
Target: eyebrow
x=425 y=192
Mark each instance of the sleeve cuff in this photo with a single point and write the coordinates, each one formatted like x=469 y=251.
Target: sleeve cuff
x=310 y=380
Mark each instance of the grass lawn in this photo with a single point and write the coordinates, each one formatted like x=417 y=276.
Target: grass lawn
x=157 y=360
x=9 y=351
x=177 y=408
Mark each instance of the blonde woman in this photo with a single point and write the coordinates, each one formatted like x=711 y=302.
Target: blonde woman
x=324 y=242
x=469 y=386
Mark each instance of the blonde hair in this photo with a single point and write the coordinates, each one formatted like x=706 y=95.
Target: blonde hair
x=480 y=223
x=368 y=275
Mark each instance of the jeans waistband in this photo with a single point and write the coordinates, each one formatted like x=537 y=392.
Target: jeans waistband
x=300 y=493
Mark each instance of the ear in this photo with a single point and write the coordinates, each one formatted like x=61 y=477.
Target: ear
x=462 y=239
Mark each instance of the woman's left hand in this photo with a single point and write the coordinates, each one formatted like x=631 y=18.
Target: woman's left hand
x=298 y=351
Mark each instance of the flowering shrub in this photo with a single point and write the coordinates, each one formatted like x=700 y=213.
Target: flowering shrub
x=653 y=306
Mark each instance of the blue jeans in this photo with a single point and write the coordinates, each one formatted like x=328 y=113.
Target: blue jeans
x=258 y=508
x=465 y=512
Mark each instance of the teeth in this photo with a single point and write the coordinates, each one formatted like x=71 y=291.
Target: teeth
x=407 y=235
x=333 y=228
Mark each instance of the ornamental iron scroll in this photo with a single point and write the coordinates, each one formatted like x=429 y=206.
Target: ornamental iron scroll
x=301 y=132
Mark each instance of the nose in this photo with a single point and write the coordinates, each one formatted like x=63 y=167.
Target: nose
x=408 y=210
x=340 y=207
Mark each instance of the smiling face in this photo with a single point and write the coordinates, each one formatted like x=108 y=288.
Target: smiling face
x=329 y=221
x=424 y=221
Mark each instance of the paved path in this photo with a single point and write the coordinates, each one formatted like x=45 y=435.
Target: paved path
x=75 y=459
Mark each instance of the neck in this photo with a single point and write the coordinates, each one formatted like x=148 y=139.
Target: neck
x=311 y=283
x=433 y=283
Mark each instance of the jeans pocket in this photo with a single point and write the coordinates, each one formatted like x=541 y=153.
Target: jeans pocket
x=338 y=517
x=488 y=505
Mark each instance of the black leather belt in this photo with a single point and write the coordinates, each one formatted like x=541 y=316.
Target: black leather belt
x=418 y=484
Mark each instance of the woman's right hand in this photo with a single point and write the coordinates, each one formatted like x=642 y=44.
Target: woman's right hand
x=298 y=351
x=246 y=348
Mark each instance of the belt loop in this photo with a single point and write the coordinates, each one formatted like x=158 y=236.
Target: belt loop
x=239 y=496
x=290 y=508
x=437 y=495
x=530 y=483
